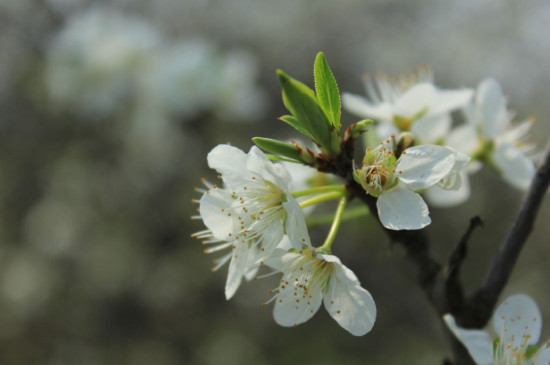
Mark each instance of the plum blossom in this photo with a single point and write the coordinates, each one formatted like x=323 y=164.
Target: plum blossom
x=499 y=141
x=408 y=104
x=489 y=136
x=517 y=323
x=310 y=278
x=250 y=214
x=395 y=181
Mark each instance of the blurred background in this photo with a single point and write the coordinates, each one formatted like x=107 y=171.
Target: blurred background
x=108 y=109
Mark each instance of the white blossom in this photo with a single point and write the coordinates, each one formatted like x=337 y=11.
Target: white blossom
x=310 y=278
x=491 y=136
x=395 y=181
x=251 y=214
x=408 y=104
x=94 y=62
x=517 y=323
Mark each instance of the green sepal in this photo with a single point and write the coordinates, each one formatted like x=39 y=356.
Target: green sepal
x=531 y=351
x=335 y=141
x=356 y=129
x=291 y=151
x=327 y=90
x=301 y=101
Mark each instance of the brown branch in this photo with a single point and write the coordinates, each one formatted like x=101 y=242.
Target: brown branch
x=453 y=286
x=483 y=302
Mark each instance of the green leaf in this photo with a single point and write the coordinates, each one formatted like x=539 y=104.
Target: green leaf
x=302 y=103
x=279 y=158
x=292 y=121
x=291 y=151
x=327 y=90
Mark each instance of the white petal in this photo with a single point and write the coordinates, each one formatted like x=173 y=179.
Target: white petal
x=295 y=224
x=443 y=198
x=517 y=169
x=453 y=180
x=237 y=269
x=463 y=138
x=493 y=107
x=478 y=343
x=280 y=258
x=425 y=165
x=214 y=209
x=291 y=310
x=518 y=316
x=361 y=107
x=348 y=303
x=402 y=209
x=419 y=97
x=432 y=128
x=272 y=235
x=253 y=263
x=227 y=160
x=385 y=130
x=449 y=100
x=543 y=357
x=258 y=164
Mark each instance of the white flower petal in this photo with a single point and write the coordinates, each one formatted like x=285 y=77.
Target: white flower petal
x=214 y=209
x=517 y=317
x=493 y=107
x=453 y=180
x=419 y=97
x=424 y=166
x=449 y=100
x=253 y=261
x=432 y=128
x=361 y=107
x=227 y=160
x=385 y=130
x=543 y=357
x=402 y=209
x=517 y=169
x=272 y=235
x=295 y=224
x=463 y=138
x=280 y=257
x=348 y=303
x=258 y=163
x=290 y=309
x=237 y=269
x=478 y=343
x=443 y=198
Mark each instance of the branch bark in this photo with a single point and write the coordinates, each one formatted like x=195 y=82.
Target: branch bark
x=483 y=302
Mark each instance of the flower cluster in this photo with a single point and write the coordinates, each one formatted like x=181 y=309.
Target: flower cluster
x=517 y=323
x=486 y=135
x=256 y=217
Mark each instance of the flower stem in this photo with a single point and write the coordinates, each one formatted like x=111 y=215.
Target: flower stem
x=335 y=225
x=321 y=198
x=321 y=189
x=352 y=213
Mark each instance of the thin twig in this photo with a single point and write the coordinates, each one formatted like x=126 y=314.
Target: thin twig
x=453 y=289
x=484 y=301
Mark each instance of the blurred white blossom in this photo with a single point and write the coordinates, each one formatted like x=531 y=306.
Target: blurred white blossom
x=408 y=103
x=517 y=323
x=94 y=62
